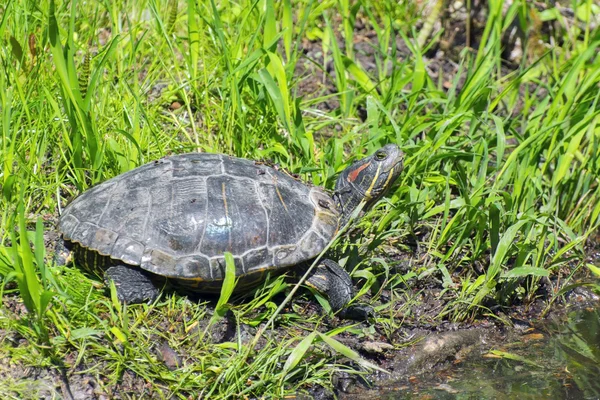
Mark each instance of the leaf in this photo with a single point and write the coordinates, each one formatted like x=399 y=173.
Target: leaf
x=58 y=52
x=500 y=140
x=193 y=37
x=17 y=50
x=287 y=27
x=551 y=14
x=419 y=74
x=218 y=29
x=274 y=148
x=520 y=272
x=453 y=204
x=565 y=160
x=340 y=72
x=348 y=352
x=593 y=269
x=270 y=23
x=98 y=71
x=114 y=298
x=360 y=75
x=298 y=353
x=516 y=357
x=82 y=333
x=372 y=118
x=28 y=268
x=119 y=335
x=568 y=288
x=228 y=286
x=503 y=246
x=6 y=264
x=45 y=298
x=586 y=11
x=7 y=189
x=478 y=282
x=278 y=71
x=387 y=113
x=40 y=249
x=252 y=58
x=215 y=370
x=494 y=226
x=275 y=94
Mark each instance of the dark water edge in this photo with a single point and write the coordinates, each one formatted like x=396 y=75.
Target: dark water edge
x=559 y=359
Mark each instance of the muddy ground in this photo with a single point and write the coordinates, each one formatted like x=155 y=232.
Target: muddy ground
x=423 y=350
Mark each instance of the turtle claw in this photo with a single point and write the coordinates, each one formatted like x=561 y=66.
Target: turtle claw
x=359 y=312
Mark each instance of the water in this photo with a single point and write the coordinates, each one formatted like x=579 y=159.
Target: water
x=560 y=360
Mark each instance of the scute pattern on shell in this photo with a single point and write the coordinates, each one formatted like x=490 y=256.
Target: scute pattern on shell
x=177 y=216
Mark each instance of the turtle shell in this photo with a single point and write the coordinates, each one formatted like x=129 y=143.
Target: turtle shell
x=177 y=216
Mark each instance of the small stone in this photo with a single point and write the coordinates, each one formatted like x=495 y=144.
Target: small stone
x=376 y=347
x=446 y=388
x=169 y=356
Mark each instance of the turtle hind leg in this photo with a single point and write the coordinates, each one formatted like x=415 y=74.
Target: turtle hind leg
x=333 y=281
x=63 y=253
x=133 y=284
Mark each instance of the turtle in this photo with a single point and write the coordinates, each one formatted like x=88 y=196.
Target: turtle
x=176 y=217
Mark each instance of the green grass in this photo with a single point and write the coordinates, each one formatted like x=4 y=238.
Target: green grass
x=500 y=189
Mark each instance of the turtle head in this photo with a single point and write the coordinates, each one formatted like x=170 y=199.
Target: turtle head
x=367 y=179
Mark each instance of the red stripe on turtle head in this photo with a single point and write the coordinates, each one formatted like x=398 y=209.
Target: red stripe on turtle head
x=354 y=174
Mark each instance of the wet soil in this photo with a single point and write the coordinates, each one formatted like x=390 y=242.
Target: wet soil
x=423 y=353
x=558 y=357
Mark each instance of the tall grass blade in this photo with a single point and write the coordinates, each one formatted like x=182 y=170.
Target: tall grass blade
x=297 y=354
x=270 y=24
x=360 y=75
x=344 y=94
x=193 y=38
x=287 y=28
x=228 y=286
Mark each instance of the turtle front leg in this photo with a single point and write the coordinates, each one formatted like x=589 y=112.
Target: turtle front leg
x=133 y=284
x=334 y=282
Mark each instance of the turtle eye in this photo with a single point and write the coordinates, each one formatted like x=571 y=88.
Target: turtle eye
x=380 y=156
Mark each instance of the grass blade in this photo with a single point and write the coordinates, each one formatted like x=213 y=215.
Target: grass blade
x=297 y=354
x=348 y=352
x=228 y=286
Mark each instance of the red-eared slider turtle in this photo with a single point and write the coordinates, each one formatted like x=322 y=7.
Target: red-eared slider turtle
x=177 y=216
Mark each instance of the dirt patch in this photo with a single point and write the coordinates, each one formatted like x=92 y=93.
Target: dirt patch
x=422 y=345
